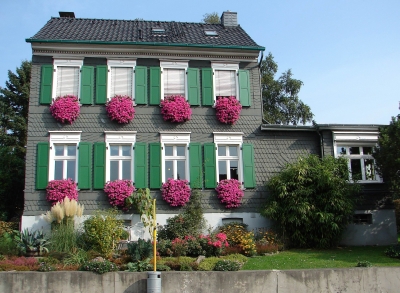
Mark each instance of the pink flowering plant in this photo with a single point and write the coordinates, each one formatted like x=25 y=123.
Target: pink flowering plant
x=120 y=108
x=175 y=109
x=65 y=109
x=176 y=192
x=230 y=193
x=228 y=109
x=57 y=190
x=118 y=190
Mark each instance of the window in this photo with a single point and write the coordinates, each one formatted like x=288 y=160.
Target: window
x=225 y=79
x=173 y=78
x=357 y=148
x=121 y=78
x=66 y=77
x=120 y=155
x=211 y=33
x=64 y=155
x=174 y=152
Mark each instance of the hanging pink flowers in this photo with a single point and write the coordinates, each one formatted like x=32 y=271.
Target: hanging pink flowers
x=175 y=109
x=57 y=190
x=230 y=193
x=176 y=192
x=228 y=109
x=65 y=109
x=120 y=108
x=118 y=190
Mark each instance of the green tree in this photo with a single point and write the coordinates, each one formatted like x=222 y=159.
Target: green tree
x=311 y=201
x=211 y=18
x=387 y=155
x=280 y=96
x=13 y=130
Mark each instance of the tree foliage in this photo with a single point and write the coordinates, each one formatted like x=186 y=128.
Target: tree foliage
x=311 y=201
x=13 y=129
x=387 y=155
x=211 y=18
x=280 y=96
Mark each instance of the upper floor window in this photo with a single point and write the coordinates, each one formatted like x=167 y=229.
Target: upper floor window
x=174 y=78
x=66 y=77
x=121 y=78
x=225 y=79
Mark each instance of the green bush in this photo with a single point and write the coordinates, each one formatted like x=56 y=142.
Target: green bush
x=46 y=267
x=99 y=267
x=160 y=267
x=78 y=258
x=164 y=247
x=8 y=245
x=311 y=201
x=227 y=265
x=140 y=250
x=364 y=263
x=208 y=264
x=236 y=257
x=393 y=251
x=102 y=230
x=139 y=266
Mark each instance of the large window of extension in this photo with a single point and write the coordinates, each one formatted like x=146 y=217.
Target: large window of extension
x=66 y=77
x=174 y=78
x=121 y=78
x=174 y=154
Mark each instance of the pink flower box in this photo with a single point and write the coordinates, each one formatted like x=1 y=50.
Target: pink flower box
x=118 y=190
x=175 y=109
x=120 y=109
x=65 y=109
x=230 y=193
x=228 y=109
x=57 y=190
x=176 y=192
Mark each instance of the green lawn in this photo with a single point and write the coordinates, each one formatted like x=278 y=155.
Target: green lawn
x=346 y=257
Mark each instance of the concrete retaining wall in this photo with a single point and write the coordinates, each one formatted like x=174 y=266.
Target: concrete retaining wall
x=355 y=280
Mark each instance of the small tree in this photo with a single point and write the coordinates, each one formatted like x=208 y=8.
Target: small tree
x=387 y=155
x=211 y=18
x=311 y=201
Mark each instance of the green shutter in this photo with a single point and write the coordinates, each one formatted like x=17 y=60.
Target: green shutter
x=207 y=86
x=195 y=162
x=87 y=85
x=193 y=86
x=141 y=85
x=155 y=85
x=210 y=175
x=85 y=165
x=155 y=165
x=42 y=165
x=249 y=176
x=244 y=88
x=46 y=84
x=140 y=165
x=99 y=168
x=101 y=84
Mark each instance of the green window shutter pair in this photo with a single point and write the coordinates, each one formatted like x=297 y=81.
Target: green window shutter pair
x=84 y=165
x=140 y=161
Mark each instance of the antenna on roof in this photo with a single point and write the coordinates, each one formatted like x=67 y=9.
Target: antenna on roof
x=67 y=14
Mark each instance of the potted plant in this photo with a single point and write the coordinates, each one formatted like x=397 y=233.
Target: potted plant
x=175 y=109
x=176 y=192
x=120 y=108
x=230 y=193
x=32 y=243
x=228 y=109
x=65 y=109
x=57 y=190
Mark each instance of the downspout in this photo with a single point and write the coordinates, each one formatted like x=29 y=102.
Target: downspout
x=321 y=140
x=259 y=76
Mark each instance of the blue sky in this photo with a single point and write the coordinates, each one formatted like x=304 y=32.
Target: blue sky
x=347 y=52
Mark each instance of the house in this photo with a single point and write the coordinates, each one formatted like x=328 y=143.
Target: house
x=96 y=59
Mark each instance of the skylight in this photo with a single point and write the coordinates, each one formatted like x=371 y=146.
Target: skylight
x=158 y=30
x=211 y=33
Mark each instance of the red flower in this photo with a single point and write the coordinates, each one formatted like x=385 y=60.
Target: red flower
x=57 y=190
x=120 y=109
x=175 y=109
x=176 y=192
x=230 y=193
x=228 y=109
x=118 y=190
x=65 y=109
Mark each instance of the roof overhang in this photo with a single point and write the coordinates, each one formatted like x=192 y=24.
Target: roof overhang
x=318 y=127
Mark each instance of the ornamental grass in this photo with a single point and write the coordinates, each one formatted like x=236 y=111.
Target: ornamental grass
x=175 y=109
x=65 y=109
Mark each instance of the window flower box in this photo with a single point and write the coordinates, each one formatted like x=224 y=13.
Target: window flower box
x=230 y=193
x=118 y=190
x=57 y=190
x=228 y=109
x=120 y=109
x=65 y=109
x=176 y=192
x=175 y=109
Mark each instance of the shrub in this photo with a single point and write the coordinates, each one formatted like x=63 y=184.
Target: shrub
x=139 y=266
x=46 y=267
x=118 y=190
x=175 y=109
x=179 y=247
x=216 y=243
x=99 y=267
x=7 y=244
x=57 y=190
x=176 y=192
x=140 y=250
x=160 y=267
x=393 y=251
x=164 y=247
x=228 y=109
x=19 y=264
x=120 y=108
x=236 y=257
x=396 y=203
x=102 y=230
x=234 y=232
x=230 y=193
x=311 y=201
x=364 y=263
x=79 y=257
x=208 y=263
x=65 y=109
x=31 y=241
x=227 y=265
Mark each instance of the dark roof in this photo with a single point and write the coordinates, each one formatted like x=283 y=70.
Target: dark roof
x=82 y=30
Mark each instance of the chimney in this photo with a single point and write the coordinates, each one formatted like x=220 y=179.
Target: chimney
x=229 y=19
x=66 y=14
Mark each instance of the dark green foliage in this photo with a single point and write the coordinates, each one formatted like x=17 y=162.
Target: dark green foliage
x=387 y=155
x=393 y=251
x=139 y=266
x=364 y=263
x=31 y=241
x=99 y=267
x=211 y=18
x=227 y=265
x=8 y=245
x=13 y=129
x=311 y=201
x=160 y=267
x=280 y=97
x=140 y=250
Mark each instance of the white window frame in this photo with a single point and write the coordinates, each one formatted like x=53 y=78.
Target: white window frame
x=121 y=63
x=120 y=138
x=63 y=138
x=168 y=64
x=229 y=139
x=229 y=67
x=175 y=139
x=356 y=139
x=57 y=63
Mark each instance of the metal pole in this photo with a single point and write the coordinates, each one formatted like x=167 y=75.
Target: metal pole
x=154 y=237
